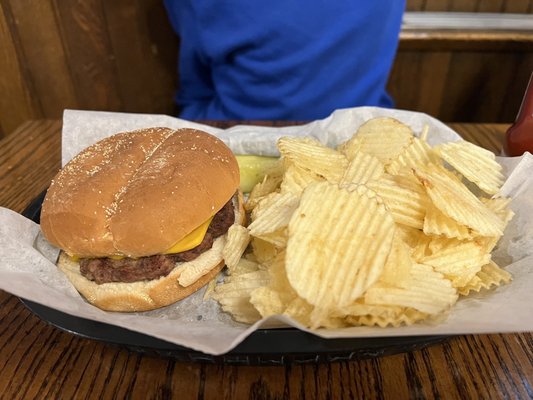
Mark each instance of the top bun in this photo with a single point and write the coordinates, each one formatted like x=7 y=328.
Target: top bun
x=138 y=193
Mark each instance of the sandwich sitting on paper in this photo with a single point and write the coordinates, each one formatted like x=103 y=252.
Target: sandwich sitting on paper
x=142 y=216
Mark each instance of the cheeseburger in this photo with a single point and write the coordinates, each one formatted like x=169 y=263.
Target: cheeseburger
x=141 y=216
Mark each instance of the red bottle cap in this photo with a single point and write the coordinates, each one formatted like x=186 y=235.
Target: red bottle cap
x=519 y=137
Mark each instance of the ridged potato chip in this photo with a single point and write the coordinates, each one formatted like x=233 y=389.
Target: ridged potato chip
x=406 y=317
x=398 y=264
x=350 y=148
x=244 y=266
x=459 y=263
x=437 y=223
x=384 y=138
x=296 y=179
x=267 y=301
x=383 y=315
x=500 y=205
x=300 y=310
x=276 y=297
x=475 y=163
x=454 y=199
x=362 y=168
x=422 y=247
x=274 y=217
x=404 y=196
x=237 y=239
x=234 y=295
x=490 y=275
x=409 y=235
x=264 y=251
x=312 y=155
x=269 y=184
x=333 y=263
x=426 y=291
x=417 y=153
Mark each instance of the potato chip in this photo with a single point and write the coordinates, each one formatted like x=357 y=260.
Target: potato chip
x=274 y=217
x=426 y=291
x=210 y=287
x=201 y=265
x=454 y=199
x=384 y=138
x=269 y=184
x=237 y=240
x=441 y=243
x=240 y=308
x=437 y=223
x=459 y=263
x=262 y=204
x=243 y=281
x=422 y=247
x=296 y=179
x=383 y=316
x=264 y=251
x=333 y=263
x=500 y=205
x=497 y=204
x=406 y=199
x=299 y=310
x=313 y=156
x=234 y=295
x=475 y=163
x=267 y=301
x=409 y=235
x=350 y=148
x=490 y=275
x=244 y=266
x=278 y=238
x=362 y=168
x=279 y=280
x=399 y=263
x=417 y=153
x=424 y=134
x=274 y=298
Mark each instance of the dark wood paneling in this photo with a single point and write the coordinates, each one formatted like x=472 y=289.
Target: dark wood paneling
x=505 y=6
x=16 y=102
x=138 y=61
x=45 y=58
x=89 y=54
x=468 y=78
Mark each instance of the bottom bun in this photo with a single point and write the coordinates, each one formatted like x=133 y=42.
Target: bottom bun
x=156 y=293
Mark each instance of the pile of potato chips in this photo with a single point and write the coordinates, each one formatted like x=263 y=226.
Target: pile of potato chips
x=384 y=230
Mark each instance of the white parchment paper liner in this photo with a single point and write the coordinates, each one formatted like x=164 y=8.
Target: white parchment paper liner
x=27 y=261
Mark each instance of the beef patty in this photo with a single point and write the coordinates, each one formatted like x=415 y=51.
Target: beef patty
x=103 y=270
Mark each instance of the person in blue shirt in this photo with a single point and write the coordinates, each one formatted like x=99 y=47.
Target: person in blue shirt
x=283 y=59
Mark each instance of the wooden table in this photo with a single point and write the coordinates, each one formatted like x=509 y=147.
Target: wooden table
x=40 y=361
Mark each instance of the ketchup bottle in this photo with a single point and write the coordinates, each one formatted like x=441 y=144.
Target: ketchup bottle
x=519 y=137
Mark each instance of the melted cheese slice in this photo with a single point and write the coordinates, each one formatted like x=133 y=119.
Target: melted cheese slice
x=190 y=241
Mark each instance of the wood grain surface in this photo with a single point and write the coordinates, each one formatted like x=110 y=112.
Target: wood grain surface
x=38 y=361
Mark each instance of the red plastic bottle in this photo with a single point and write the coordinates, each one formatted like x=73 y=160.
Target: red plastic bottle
x=519 y=137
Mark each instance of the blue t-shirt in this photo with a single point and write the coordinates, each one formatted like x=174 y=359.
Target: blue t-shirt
x=283 y=59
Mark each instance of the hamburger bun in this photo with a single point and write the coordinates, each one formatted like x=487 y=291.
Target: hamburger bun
x=136 y=194
x=155 y=293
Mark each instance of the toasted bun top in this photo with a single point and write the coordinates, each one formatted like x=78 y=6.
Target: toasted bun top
x=138 y=193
